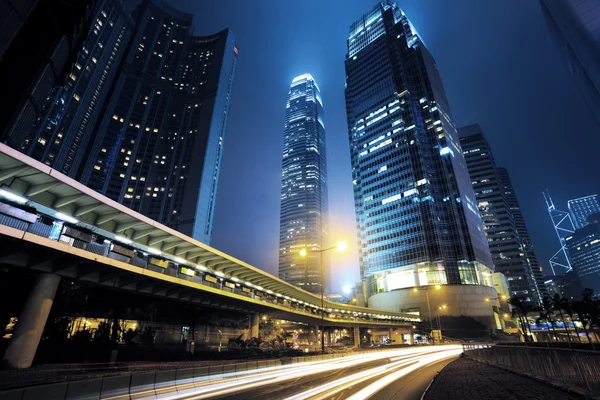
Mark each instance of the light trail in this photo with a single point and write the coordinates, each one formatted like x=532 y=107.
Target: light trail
x=376 y=386
x=414 y=361
x=224 y=384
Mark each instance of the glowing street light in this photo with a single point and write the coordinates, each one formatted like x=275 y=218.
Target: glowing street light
x=341 y=246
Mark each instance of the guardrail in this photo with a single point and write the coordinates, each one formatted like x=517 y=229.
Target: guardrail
x=571 y=368
x=135 y=385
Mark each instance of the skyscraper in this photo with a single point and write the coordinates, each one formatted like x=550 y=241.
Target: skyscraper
x=522 y=231
x=71 y=112
x=417 y=218
x=158 y=149
x=499 y=221
x=143 y=114
x=39 y=40
x=584 y=252
x=573 y=28
x=582 y=208
x=304 y=205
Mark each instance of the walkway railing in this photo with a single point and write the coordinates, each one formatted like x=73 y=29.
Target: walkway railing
x=568 y=368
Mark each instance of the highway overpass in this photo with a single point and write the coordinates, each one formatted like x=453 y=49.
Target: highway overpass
x=52 y=224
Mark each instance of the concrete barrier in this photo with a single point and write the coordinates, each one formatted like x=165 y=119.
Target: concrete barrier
x=52 y=391
x=184 y=379
x=89 y=389
x=142 y=385
x=241 y=369
x=165 y=382
x=199 y=373
x=116 y=387
x=13 y=394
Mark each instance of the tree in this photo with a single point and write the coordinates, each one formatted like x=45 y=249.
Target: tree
x=128 y=336
x=102 y=334
x=548 y=314
x=521 y=309
x=147 y=336
x=559 y=303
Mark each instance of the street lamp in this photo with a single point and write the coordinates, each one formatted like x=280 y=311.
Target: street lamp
x=426 y=289
x=439 y=323
x=341 y=246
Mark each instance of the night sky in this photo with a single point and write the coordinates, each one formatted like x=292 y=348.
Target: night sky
x=499 y=70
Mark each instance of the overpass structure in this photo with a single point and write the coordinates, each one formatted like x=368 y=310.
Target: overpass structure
x=52 y=224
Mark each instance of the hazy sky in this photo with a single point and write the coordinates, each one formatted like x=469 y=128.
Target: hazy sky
x=499 y=70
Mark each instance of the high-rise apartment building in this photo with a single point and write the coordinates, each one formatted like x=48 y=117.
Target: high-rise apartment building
x=573 y=29
x=304 y=204
x=499 y=221
x=522 y=231
x=158 y=149
x=142 y=115
x=417 y=218
x=39 y=40
x=69 y=116
x=582 y=208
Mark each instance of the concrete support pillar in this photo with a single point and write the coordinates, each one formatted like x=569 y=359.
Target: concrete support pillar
x=254 y=321
x=28 y=331
x=356 y=336
x=412 y=336
x=391 y=335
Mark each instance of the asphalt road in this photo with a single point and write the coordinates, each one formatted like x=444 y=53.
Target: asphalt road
x=401 y=374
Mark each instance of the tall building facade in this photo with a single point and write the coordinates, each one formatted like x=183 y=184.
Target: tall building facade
x=523 y=232
x=417 y=218
x=573 y=28
x=582 y=208
x=498 y=215
x=71 y=111
x=142 y=115
x=304 y=201
x=158 y=149
x=39 y=40
x=583 y=247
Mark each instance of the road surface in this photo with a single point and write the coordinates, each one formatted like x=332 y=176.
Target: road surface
x=400 y=374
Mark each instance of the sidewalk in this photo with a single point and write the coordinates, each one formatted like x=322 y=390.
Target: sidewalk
x=472 y=380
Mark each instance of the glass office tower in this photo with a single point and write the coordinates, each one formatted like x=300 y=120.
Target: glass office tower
x=304 y=205
x=499 y=221
x=417 y=217
x=582 y=208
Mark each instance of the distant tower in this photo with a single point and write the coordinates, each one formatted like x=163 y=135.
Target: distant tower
x=563 y=225
x=504 y=224
x=304 y=206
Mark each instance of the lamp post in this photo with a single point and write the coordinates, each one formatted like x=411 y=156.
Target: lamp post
x=489 y=299
x=439 y=323
x=341 y=246
x=426 y=289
